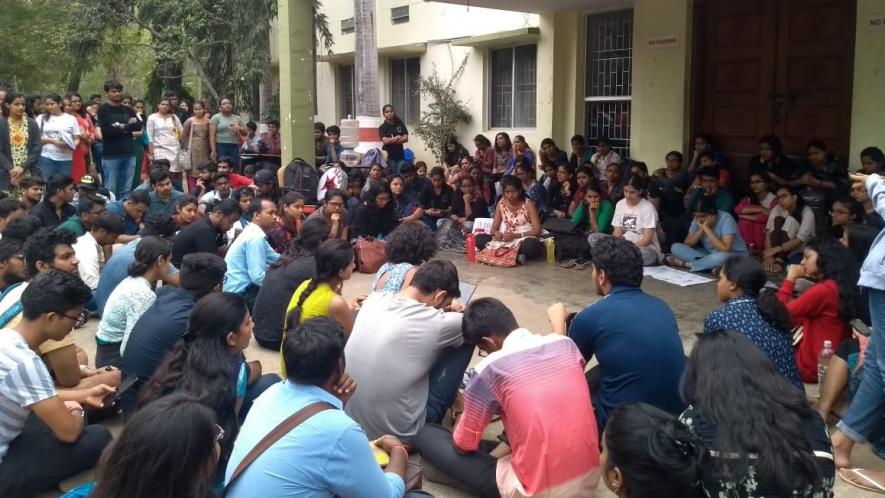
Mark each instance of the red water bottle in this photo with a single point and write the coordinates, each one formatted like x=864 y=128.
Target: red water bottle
x=471 y=248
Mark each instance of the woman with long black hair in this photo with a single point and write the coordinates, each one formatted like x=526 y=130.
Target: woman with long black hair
x=648 y=453
x=20 y=143
x=762 y=436
x=295 y=266
x=208 y=364
x=394 y=134
x=60 y=135
x=826 y=307
x=756 y=314
x=168 y=449
x=130 y=299
x=375 y=217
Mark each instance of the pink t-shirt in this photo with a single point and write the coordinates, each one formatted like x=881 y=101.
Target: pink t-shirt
x=537 y=384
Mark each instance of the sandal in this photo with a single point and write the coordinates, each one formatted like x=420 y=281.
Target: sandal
x=580 y=265
x=568 y=263
x=871 y=486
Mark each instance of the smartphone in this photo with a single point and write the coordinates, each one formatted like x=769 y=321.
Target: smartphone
x=861 y=327
x=113 y=397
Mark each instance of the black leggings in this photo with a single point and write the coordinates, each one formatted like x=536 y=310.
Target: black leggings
x=531 y=247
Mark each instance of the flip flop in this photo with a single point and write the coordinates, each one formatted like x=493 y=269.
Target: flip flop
x=874 y=486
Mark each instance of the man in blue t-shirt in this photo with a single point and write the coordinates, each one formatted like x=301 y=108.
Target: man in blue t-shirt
x=633 y=335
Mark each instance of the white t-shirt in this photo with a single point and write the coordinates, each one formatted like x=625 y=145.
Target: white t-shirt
x=24 y=381
x=62 y=127
x=802 y=229
x=91 y=258
x=634 y=219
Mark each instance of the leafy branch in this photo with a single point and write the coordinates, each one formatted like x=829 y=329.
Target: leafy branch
x=444 y=110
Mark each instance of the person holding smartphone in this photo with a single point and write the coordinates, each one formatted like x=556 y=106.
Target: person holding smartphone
x=37 y=452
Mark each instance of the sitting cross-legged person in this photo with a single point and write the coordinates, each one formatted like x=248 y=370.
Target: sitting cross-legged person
x=44 y=438
x=712 y=238
x=635 y=220
x=407 y=354
x=634 y=336
x=328 y=454
x=756 y=314
x=536 y=383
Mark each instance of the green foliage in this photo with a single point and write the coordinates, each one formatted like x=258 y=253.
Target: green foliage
x=444 y=111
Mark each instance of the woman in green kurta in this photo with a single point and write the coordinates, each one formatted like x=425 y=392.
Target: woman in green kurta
x=594 y=213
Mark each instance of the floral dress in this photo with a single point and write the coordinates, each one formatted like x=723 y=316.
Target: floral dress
x=513 y=220
x=750 y=486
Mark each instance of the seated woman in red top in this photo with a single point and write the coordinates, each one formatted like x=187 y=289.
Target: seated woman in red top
x=825 y=308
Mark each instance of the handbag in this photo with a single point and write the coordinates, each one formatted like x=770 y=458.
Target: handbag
x=504 y=257
x=561 y=226
x=370 y=254
x=273 y=436
x=184 y=153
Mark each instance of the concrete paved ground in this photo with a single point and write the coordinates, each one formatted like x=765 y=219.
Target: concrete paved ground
x=528 y=291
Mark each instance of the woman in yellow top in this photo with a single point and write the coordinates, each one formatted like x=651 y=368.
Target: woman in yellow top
x=321 y=296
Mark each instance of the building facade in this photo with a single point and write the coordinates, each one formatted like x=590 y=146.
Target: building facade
x=647 y=74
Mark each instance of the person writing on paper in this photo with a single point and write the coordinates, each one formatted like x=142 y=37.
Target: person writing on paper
x=329 y=453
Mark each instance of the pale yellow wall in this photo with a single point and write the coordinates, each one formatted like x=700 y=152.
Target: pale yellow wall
x=661 y=80
x=568 y=73
x=436 y=24
x=868 y=97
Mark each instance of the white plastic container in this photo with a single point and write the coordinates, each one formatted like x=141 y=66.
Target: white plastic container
x=350 y=133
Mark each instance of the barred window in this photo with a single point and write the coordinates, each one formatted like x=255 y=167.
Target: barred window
x=513 y=86
x=609 y=82
x=405 y=78
x=345 y=91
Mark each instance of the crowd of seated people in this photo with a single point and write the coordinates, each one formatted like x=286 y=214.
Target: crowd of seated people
x=174 y=279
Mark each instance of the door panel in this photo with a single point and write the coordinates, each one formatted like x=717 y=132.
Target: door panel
x=774 y=66
x=737 y=75
x=815 y=46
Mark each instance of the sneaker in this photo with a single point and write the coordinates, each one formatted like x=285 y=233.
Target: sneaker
x=568 y=263
x=82 y=319
x=520 y=259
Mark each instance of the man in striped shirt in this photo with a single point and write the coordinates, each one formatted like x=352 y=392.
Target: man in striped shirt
x=43 y=434
x=536 y=384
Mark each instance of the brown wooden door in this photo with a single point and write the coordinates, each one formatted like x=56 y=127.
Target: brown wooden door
x=774 y=66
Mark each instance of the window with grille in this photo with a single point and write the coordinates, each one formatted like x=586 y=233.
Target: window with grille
x=348 y=26
x=609 y=84
x=405 y=75
x=513 y=86
x=345 y=91
x=399 y=15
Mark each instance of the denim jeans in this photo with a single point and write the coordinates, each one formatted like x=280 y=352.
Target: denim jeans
x=868 y=404
x=50 y=167
x=395 y=166
x=446 y=376
x=119 y=172
x=698 y=257
x=231 y=151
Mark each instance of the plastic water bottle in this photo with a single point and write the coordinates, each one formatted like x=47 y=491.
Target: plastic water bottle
x=471 y=248
x=823 y=362
x=551 y=250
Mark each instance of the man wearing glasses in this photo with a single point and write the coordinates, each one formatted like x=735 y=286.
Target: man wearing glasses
x=36 y=453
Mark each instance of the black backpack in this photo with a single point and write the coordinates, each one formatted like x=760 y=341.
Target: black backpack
x=302 y=177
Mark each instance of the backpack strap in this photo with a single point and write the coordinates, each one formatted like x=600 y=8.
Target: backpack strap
x=273 y=436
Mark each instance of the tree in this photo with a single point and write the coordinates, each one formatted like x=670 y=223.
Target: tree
x=444 y=110
x=366 y=59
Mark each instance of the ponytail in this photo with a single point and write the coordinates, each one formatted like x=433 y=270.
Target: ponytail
x=293 y=319
x=656 y=453
x=149 y=250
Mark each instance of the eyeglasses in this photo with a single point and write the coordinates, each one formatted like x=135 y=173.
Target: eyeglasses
x=219 y=433
x=74 y=318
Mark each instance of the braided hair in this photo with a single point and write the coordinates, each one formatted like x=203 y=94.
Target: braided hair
x=332 y=257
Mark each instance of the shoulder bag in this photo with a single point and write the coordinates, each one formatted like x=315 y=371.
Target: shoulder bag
x=184 y=153
x=414 y=473
x=273 y=436
x=370 y=254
